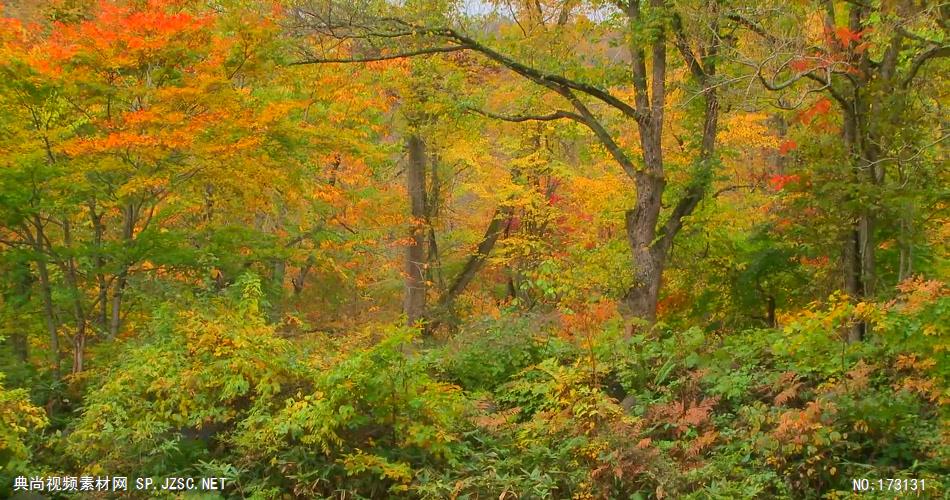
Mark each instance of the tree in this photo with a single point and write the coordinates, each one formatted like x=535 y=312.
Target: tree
x=118 y=125
x=648 y=27
x=867 y=59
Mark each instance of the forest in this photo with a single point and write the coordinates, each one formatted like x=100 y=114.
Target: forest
x=475 y=249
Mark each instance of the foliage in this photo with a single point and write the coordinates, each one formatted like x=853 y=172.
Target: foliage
x=364 y=425
x=220 y=363
x=19 y=420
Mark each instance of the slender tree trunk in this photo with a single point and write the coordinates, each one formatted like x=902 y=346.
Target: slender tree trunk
x=415 y=296
x=79 y=348
x=496 y=227
x=770 y=317
x=130 y=216
x=859 y=255
x=478 y=258
x=46 y=291
x=280 y=271
x=906 y=242
x=79 y=314
x=300 y=279
x=857 y=263
x=20 y=298
x=433 y=199
x=99 y=261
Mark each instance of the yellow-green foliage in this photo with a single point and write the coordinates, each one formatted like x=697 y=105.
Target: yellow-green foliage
x=366 y=424
x=192 y=376
x=18 y=419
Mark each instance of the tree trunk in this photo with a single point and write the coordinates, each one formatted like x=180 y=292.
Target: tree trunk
x=99 y=262
x=79 y=314
x=300 y=279
x=79 y=348
x=851 y=261
x=46 y=290
x=49 y=317
x=433 y=198
x=650 y=243
x=496 y=227
x=130 y=217
x=415 y=296
x=642 y=297
x=770 y=317
x=20 y=298
x=906 y=242
x=478 y=258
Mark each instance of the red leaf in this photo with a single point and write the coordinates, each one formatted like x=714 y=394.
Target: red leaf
x=801 y=65
x=786 y=147
x=778 y=181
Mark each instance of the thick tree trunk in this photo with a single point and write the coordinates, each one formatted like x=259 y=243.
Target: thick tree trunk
x=415 y=296
x=650 y=243
x=651 y=246
x=642 y=297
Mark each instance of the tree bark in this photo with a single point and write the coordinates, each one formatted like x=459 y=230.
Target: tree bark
x=478 y=258
x=300 y=279
x=99 y=261
x=20 y=298
x=68 y=266
x=496 y=227
x=415 y=295
x=129 y=219
x=433 y=199
x=651 y=245
x=46 y=291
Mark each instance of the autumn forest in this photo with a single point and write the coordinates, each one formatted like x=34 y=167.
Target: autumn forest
x=473 y=249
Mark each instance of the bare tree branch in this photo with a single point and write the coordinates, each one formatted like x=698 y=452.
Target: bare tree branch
x=384 y=57
x=935 y=52
x=557 y=115
x=683 y=45
x=752 y=26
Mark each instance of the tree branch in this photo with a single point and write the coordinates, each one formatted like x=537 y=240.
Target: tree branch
x=683 y=45
x=755 y=28
x=378 y=29
x=545 y=78
x=557 y=115
x=385 y=57
x=942 y=51
x=594 y=124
